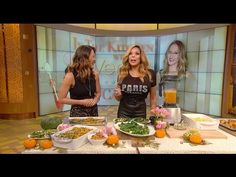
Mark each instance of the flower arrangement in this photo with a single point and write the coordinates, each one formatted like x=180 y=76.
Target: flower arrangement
x=106 y=131
x=160 y=115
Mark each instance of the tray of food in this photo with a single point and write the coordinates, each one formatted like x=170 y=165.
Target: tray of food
x=201 y=121
x=73 y=137
x=95 y=121
x=228 y=123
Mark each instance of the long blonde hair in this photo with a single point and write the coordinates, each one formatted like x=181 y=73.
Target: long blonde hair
x=81 y=63
x=182 y=64
x=143 y=67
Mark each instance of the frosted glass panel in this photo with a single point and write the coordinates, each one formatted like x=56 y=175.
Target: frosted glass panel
x=191 y=83
x=180 y=99
x=62 y=60
x=215 y=105
x=203 y=103
x=216 y=83
x=190 y=104
x=47 y=104
x=62 y=40
x=181 y=85
x=206 y=43
x=218 y=61
x=192 y=61
x=203 y=60
x=197 y=38
x=202 y=82
x=182 y=37
x=219 y=38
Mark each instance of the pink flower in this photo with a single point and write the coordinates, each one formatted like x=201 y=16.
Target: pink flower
x=158 y=126
x=161 y=125
x=160 y=112
x=106 y=131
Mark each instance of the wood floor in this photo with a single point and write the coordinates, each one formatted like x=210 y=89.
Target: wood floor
x=14 y=132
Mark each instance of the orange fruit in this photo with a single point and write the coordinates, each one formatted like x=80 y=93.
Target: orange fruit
x=30 y=143
x=112 y=139
x=46 y=144
x=195 y=138
x=160 y=133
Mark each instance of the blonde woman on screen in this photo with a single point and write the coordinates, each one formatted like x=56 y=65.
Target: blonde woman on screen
x=175 y=63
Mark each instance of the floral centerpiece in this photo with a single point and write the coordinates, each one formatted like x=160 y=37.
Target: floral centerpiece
x=158 y=120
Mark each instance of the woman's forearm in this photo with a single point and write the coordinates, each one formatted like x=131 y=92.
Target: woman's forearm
x=71 y=101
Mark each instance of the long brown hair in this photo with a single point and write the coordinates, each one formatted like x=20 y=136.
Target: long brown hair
x=81 y=63
x=182 y=63
x=143 y=67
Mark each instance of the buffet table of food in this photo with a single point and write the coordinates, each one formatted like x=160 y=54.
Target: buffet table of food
x=216 y=141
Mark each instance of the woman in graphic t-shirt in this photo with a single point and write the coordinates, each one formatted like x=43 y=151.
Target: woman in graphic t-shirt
x=135 y=82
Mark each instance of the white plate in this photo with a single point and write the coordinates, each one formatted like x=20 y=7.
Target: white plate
x=151 y=130
x=80 y=120
x=45 y=132
x=44 y=137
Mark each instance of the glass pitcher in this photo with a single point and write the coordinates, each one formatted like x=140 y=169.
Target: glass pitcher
x=169 y=85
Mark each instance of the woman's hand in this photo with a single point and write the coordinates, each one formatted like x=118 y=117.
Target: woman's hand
x=89 y=102
x=117 y=93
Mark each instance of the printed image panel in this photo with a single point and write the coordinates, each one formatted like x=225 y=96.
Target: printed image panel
x=164 y=42
x=77 y=39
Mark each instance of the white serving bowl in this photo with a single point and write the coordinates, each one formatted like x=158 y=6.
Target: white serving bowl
x=96 y=141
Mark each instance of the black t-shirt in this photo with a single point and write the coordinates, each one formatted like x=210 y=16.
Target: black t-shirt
x=134 y=93
x=83 y=90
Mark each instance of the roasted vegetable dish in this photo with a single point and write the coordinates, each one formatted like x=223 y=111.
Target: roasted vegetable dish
x=74 y=133
x=229 y=123
x=88 y=121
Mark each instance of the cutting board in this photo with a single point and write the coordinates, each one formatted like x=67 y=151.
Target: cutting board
x=215 y=134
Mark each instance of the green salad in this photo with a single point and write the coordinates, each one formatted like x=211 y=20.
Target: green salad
x=133 y=127
x=42 y=133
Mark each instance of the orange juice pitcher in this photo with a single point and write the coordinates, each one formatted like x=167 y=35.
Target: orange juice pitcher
x=170 y=96
x=169 y=86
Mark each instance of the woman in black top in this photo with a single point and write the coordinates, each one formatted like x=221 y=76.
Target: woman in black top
x=83 y=84
x=135 y=81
